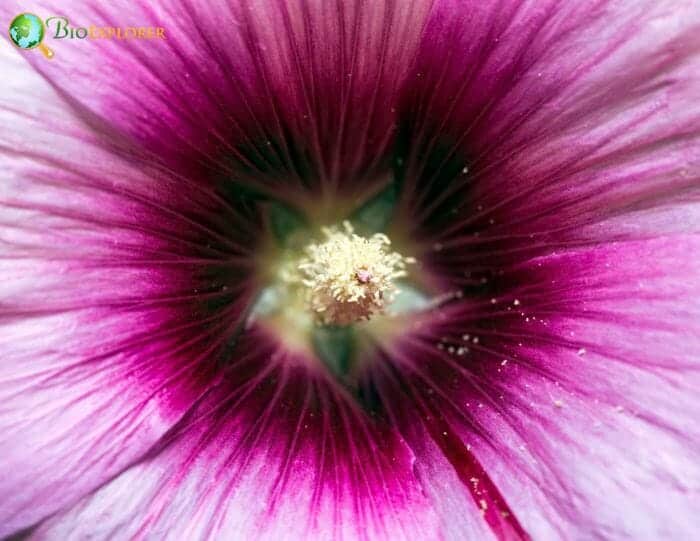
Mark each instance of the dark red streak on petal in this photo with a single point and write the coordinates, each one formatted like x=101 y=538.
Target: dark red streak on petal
x=486 y=495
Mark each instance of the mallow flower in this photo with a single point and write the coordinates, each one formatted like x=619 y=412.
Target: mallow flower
x=346 y=269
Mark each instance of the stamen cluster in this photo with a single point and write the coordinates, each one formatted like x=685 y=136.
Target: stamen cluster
x=349 y=278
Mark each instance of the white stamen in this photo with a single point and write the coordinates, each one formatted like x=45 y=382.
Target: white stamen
x=348 y=278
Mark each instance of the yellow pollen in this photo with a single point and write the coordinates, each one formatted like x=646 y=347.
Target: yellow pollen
x=348 y=278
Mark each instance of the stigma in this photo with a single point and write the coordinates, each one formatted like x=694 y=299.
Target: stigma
x=348 y=278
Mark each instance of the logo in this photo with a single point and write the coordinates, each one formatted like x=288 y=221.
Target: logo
x=27 y=31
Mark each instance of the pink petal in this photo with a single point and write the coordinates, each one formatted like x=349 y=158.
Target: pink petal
x=287 y=95
x=530 y=123
x=272 y=452
x=579 y=395
x=100 y=352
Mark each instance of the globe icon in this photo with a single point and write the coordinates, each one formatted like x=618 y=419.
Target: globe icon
x=27 y=31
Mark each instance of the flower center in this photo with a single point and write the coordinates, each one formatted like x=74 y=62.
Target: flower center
x=348 y=278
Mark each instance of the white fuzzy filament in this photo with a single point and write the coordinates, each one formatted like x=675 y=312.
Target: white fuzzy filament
x=348 y=278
